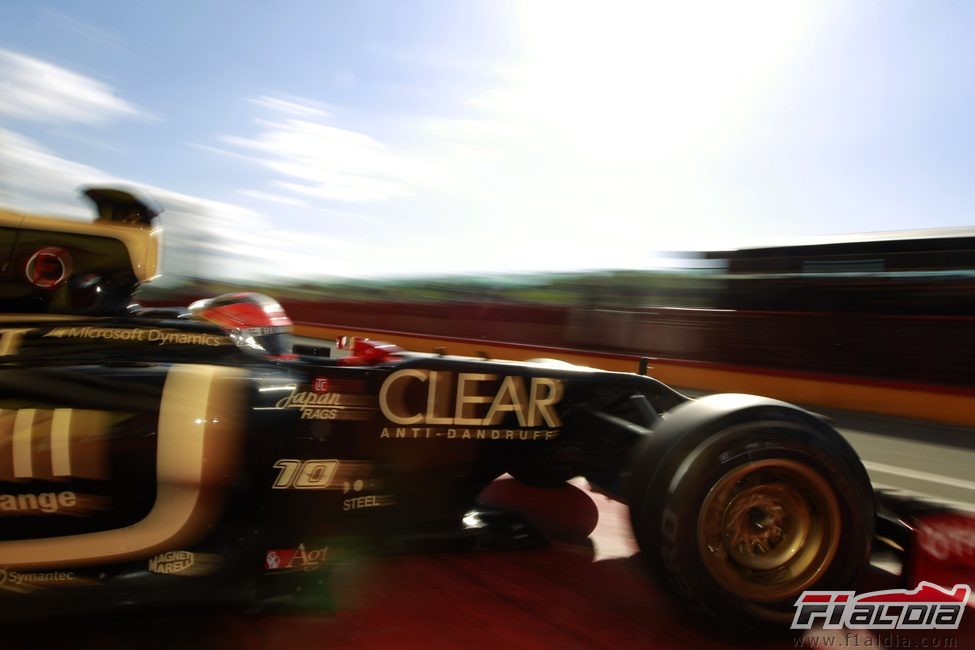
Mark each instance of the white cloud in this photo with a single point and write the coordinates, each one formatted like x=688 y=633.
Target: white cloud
x=214 y=238
x=35 y=179
x=272 y=198
x=35 y=90
x=294 y=106
x=311 y=158
x=224 y=152
x=595 y=149
x=203 y=237
x=84 y=30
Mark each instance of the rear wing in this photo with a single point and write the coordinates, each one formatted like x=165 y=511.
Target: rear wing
x=120 y=206
x=58 y=265
x=120 y=215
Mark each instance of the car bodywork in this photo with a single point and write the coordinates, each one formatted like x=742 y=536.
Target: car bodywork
x=68 y=265
x=127 y=439
x=152 y=455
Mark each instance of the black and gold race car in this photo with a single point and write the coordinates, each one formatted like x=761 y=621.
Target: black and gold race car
x=164 y=455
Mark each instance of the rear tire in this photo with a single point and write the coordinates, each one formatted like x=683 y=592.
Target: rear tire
x=752 y=502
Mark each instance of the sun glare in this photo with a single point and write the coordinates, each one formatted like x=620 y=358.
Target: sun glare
x=631 y=103
x=645 y=79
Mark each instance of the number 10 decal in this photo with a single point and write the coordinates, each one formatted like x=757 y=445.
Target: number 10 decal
x=304 y=475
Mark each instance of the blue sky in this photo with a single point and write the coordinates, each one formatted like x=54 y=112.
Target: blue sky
x=306 y=138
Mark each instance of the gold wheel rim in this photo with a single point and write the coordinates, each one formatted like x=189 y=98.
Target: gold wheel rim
x=769 y=529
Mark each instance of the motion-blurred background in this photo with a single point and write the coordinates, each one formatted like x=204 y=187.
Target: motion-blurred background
x=769 y=197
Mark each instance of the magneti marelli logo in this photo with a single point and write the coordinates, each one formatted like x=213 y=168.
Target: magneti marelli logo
x=926 y=607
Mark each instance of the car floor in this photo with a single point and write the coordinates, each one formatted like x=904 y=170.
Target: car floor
x=586 y=589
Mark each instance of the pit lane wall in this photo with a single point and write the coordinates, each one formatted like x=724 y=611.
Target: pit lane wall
x=871 y=363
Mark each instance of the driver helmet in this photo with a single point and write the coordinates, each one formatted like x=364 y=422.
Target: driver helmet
x=254 y=321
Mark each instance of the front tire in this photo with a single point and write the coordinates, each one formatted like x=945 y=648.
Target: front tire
x=750 y=506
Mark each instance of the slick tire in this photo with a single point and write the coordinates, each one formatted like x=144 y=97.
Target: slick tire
x=752 y=502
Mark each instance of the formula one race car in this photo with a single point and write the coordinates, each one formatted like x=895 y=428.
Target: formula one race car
x=153 y=455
